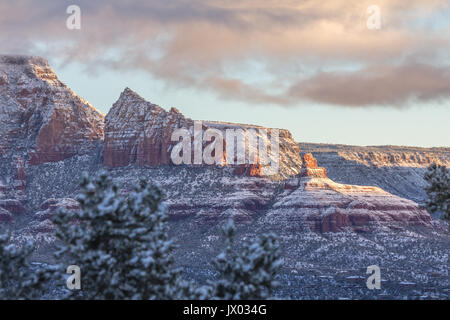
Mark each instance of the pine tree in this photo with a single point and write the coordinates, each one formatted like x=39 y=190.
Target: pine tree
x=438 y=189
x=18 y=279
x=120 y=242
x=249 y=274
x=122 y=247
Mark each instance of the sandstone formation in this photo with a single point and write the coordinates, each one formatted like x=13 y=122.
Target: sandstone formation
x=398 y=170
x=317 y=203
x=139 y=132
x=40 y=117
x=310 y=168
x=250 y=170
x=49 y=206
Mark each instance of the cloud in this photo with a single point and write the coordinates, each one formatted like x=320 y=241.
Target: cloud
x=377 y=85
x=201 y=44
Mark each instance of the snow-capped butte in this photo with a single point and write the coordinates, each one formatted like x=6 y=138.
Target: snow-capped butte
x=139 y=132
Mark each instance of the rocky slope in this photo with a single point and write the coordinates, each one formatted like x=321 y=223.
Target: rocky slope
x=41 y=120
x=398 y=170
x=322 y=205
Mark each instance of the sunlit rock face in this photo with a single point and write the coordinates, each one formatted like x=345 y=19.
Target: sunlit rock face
x=40 y=117
x=396 y=169
x=139 y=132
x=310 y=168
x=320 y=204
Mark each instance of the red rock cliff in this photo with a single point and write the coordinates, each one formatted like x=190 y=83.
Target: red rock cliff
x=40 y=115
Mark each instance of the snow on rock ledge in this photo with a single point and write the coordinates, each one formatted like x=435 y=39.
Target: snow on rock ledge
x=40 y=116
x=322 y=205
x=139 y=132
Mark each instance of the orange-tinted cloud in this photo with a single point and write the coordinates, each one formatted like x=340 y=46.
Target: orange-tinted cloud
x=201 y=44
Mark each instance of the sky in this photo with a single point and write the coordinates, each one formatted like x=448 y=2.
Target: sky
x=325 y=70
